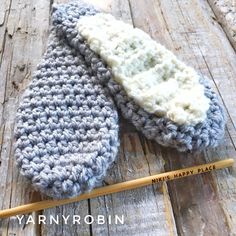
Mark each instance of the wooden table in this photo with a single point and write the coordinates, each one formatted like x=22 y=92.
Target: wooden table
x=197 y=205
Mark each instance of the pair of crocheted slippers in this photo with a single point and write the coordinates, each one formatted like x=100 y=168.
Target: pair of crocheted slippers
x=67 y=123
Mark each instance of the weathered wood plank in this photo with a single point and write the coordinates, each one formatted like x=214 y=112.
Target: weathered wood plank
x=225 y=11
x=192 y=33
x=78 y=210
x=148 y=207
x=20 y=36
x=133 y=162
x=81 y=209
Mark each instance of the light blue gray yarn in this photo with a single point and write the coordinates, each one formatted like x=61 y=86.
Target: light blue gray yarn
x=67 y=124
x=187 y=138
x=66 y=130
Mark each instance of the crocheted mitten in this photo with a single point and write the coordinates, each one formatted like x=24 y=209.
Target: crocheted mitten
x=164 y=98
x=66 y=130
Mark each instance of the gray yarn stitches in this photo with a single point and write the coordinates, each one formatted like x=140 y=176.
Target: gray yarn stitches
x=162 y=130
x=66 y=129
x=167 y=133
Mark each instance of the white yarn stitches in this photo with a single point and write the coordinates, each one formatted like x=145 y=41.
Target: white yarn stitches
x=185 y=137
x=149 y=73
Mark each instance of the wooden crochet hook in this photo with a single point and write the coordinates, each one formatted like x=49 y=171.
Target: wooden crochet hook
x=37 y=206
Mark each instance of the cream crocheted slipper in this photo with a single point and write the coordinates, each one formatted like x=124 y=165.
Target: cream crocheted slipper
x=164 y=98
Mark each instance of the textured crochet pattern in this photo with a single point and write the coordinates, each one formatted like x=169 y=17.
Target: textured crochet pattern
x=66 y=129
x=149 y=73
x=163 y=130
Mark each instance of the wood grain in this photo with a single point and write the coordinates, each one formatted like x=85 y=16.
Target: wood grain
x=192 y=33
x=225 y=11
x=203 y=205
x=136 y=159
x=22 y=43
x=133 y=162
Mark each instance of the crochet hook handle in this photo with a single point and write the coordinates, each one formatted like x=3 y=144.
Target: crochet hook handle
x=37 y=206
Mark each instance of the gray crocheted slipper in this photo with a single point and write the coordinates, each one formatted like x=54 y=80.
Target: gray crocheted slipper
x=165 y=99
x=66 y=130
